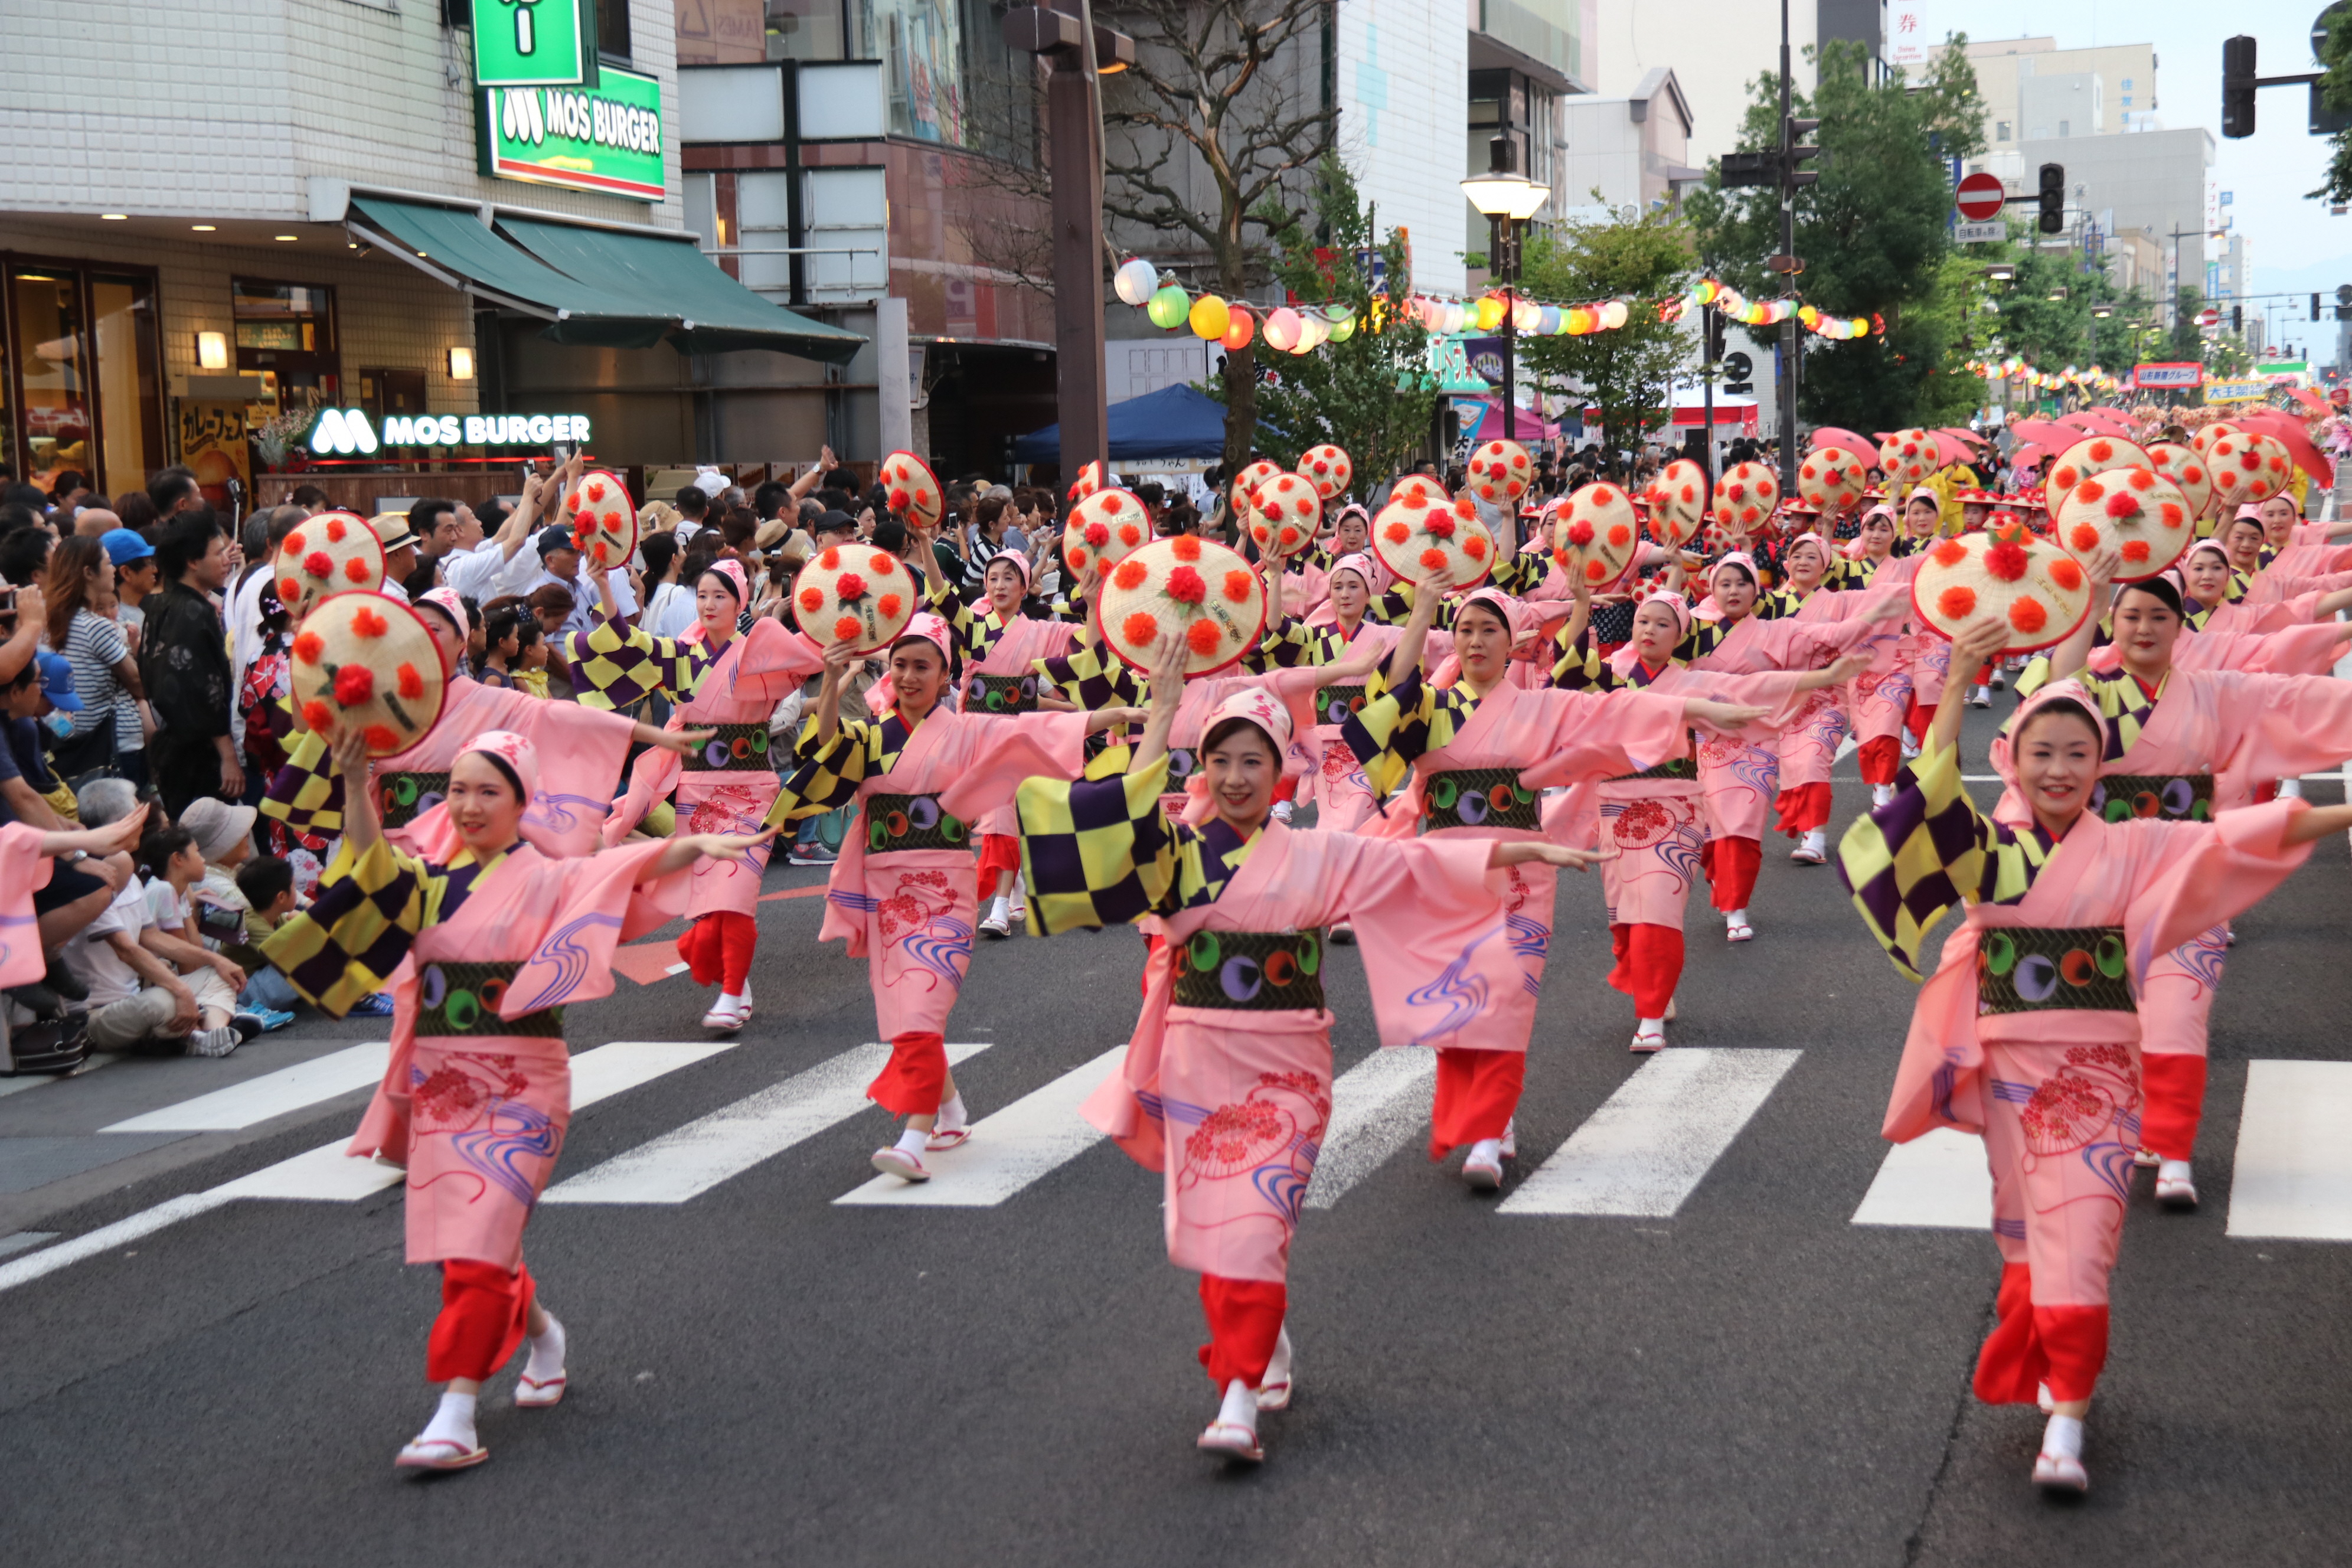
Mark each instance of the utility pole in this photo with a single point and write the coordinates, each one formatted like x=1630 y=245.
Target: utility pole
x=1788 y=263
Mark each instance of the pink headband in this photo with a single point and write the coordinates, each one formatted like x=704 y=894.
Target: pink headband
x=517 y=753
x=1922 y=492
x=928 y=628
x=1808 y=536
x=2251 y=510
x=1740 y=558
x=1017 y=559
x=1257 y=707
x=1360 y=563
x=446 y=600
x=1674 y=602
x=733 y=572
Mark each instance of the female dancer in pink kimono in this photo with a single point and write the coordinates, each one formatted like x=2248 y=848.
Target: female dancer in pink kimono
x=483 y=951
x=2185 y=744
x=904 y=892
x=724 y=685
x=1227 y=1087
x=1471 y=761
x=1341 y=628
x=997 y=652
x=1742 y=778
x=2028 y=1031
x=585 y=747
x=1656 y=821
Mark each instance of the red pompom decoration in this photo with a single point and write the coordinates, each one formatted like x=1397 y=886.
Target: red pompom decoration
x=1439 y=527
x=1432 y=560
x=1204 y=637
x=1184 y=584
x=1238 y=586
x=410 y=684
x=1397 y=532
x=356 y=570
x=319 y=716
x=2006 y=562
x=1129 y=575
x=1956 y=603
x=847 y=630
x=309 y=646
x=383 y=738
x=849 y=587
x=1185 y=547
x=1140 y=629
x=354 y=684
x=2027 y=615
x=887 y=605
x=2121 y=504
x=368 y=624
x=812 y=600
x=2135 y=551
x=2066 y=575
x=1951 y=552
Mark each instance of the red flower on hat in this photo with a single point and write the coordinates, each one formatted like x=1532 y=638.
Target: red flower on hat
x=309 y=646
x=1579 y=533
x=1474 y=548
x=368 y=624
x=831 y=559
x=2136 y=550
x=2007 y=560
x=354 y=684
x=411 y=685
x=888 y=605
x=898 y=499
x=1596 y=571
x=2084 y=537
x=2066 y=575
x=2063 y=477
x=1130 y=535
x=1956 y=603
x=1238 y=586
x=1204 y=637
x=1185 y=547
x=2172 y=515
x=1140 y=629
x=318 y=715
x=1439 y=527
x=1129 y=575
x=2101 y=451
x=1396 y=534
x=1620 y=535
x=1951 y=552
x=2122 y=504
x=1487 y=492
x=383 y=738
x=1412 y=499
x=596 y=488
x=356 y=570
x=289 y=590
x=846 y=628
x=1431 y=559
x=1184 y=584
x=2252 y=460
x=1734 y=493
x=336 y=529
x=850 y=586
x=2092 y=489
x=1097 y=534
x=812 y=600
x=2028 y=615
x=296 y=544
x=2141 y=479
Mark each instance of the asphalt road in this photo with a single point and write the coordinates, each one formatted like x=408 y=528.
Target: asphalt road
x=760 y=1374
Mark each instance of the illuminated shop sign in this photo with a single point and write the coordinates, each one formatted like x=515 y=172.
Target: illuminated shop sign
x=347 y=433
x=604 y=138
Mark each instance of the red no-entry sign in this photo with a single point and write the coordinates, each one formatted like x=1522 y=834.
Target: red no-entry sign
x=1980 y=197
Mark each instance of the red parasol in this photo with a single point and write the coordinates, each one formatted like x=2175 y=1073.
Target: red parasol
x=1830 y=436
x=2288 y=431
x=2045 y=433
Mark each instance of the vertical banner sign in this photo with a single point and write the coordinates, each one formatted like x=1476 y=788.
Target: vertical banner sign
x=534 y=43
x=605 y=138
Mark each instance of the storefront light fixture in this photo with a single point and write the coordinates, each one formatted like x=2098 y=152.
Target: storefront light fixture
x=288 y=236
x=1502 y=192
x=116 y=217
x=203 y=227
x=461 y=364
x=212 y=350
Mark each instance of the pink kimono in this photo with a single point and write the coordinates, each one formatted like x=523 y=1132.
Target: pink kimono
x=1342 y=797
x=1476 y=983
x=1293 y=686
x=1014 y=653
x=912 y=913
x=24 y=871
x=2055 y=1091
x=2241 y=730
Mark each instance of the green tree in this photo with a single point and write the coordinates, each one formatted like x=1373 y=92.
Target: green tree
x=1370 y=395
x=1627 y=374
x=2188 y=345
x=2335 y=88
x=1872 y=234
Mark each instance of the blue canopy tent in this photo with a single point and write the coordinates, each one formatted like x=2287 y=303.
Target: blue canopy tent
x=1177 y=421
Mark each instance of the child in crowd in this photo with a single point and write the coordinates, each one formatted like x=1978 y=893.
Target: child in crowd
x=174 y=866
x=224 y=835
x=266 y=885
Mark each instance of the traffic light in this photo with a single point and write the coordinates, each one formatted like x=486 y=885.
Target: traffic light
x=2344 y=301
x=1792 y=134
x=2053 y=199
x=2315 y=307
x=2237 y=318
x=2238 y=86
x=1712 y=333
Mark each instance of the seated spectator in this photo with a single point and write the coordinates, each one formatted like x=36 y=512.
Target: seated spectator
x=217 y=903
x=136 y=1000
x=174 y=866
x=266 y=884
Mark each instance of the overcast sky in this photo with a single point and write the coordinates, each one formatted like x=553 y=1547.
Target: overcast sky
x=2294 y=244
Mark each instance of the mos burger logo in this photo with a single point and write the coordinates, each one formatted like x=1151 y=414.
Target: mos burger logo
x=346 y=432
x=341 y=433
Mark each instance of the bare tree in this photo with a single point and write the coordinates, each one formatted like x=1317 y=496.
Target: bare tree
x=1231 y=89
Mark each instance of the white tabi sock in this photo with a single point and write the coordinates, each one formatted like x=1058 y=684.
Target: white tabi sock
x=1649 y=1026
x=1735 y=917
x=1817 y=839
x=729 y=999
x=1881 y=793
x=1277 y=1366
x=951 y=1114
x=452 y=1423
x=1001 y=908
x=1486 y=1151
x=2064 y=1437
x=1240 y=1408
x=1020 y=892
x=911 y=1142
x=546 y=1357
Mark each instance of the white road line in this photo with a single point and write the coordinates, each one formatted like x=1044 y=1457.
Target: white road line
x=272 y=1094
x=1939 y=1181
x=688 y=1160
x=1377 y=1107
x=1653 y=1142
x=2294 y=1174
x=1007 y=1151
x=325 y=1175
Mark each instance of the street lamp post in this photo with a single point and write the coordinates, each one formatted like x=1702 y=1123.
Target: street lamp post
x=1509 y=199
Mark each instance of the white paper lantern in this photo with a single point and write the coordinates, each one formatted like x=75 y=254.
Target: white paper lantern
x=1135 y=280
x=1612 y=314
x=1313 y=330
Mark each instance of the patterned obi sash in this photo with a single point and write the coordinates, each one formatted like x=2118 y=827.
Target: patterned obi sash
x=734 y=748
x=2170 y=797
x=1478 y=797
x=1000 y=694
x=1334 y=703
x=407 y=796
x=463 y=999
x=911 y=822
x=1251 y=971
x=1672 y=768
x=2040 y=968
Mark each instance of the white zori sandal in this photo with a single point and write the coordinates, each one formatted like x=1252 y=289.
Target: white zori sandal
x=1649 y=1035
x=438 y=1454
x=2059 y=1467
x=1273 y=1389
x=1736 y=927
x=1233 y=1434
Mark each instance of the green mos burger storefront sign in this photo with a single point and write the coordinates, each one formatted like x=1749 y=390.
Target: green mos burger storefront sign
x=604 y=138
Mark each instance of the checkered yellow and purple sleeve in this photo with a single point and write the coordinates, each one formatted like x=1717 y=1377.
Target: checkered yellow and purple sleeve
x=1581 y=666
x=1521 y=573
x=306 y=793
x=826 y=774
x=1399 y=725
x=616 y=665
x=1909 y=862
x=1093 y=678
x=370 y=909
x=1098 y=853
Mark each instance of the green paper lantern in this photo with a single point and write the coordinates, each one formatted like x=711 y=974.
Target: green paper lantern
x=1169 y=307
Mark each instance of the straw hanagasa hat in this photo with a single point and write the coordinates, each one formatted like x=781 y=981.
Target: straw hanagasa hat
x=2140 y=513
x=1105 y=528
x=334 y=553
x=2042 y=592
x=854 y=594
x=367 y=659
x=1186 y=586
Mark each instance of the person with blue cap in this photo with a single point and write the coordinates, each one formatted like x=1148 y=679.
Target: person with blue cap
x=134 y=577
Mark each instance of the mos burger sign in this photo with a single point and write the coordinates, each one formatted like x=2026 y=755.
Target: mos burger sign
x=347 y=433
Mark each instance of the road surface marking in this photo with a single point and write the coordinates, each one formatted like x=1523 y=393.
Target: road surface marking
x=1653 y=1142
x=1007 y=1151
x=272 y=1094
x=1377 y=1107
x=2294 y=1174
x=1939 y=1181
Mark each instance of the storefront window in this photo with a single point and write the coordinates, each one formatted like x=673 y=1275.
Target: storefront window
x=804 y=29
x=130 y=393
x=950 y=76
x=51 y=357
x=286 y=331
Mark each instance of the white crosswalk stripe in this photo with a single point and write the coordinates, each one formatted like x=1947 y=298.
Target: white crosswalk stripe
x=256 y=1100
x=1007 y=1151
x=684 y=1163
x=1937 y=1182
x=2294 y=1175
x=1377 y=1107
x=324 y=1174
x=1653 y=1142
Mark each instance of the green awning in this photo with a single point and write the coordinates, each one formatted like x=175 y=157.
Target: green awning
x=458 y=247
x=715 y=313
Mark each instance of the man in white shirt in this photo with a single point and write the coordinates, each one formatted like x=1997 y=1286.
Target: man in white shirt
x=399 y=542
x=500 y=565
x=244 y=615
x=559 y=562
